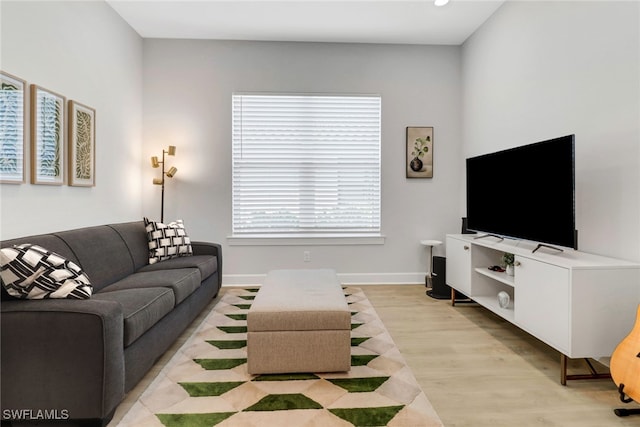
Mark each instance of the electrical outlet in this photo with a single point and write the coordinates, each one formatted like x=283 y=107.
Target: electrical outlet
x=306 y=256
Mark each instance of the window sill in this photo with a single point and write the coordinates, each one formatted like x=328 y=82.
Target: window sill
x=308 y=240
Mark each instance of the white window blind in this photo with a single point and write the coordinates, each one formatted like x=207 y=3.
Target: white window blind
x=306 y=164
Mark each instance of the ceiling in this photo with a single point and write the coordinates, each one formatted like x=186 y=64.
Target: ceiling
x=348 y=21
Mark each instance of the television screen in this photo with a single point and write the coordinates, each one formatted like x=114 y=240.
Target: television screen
x=525 y=192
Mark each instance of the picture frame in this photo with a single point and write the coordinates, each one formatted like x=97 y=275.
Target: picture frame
x=47 y=136
x=419 y=152
x=82 y=145
x=13 y=128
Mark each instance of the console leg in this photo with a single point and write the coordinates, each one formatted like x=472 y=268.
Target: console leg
x=563 y=369
x=453 y=297
x=593 y=375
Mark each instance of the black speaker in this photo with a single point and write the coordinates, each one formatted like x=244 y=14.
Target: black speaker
x=439 y=287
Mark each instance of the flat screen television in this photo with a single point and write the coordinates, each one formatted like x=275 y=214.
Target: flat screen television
x=526 y=192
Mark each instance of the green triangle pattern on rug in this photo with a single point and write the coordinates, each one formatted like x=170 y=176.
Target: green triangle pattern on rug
x=212 y=379
x=284 y=402
x=357 y=341
x=362 y=359
x=228 y=344
x=359 y=385
x=233 y=329
x=209 y=389
x=219 y=364
x=368 y=416
x=237 y=316
x=193 y=420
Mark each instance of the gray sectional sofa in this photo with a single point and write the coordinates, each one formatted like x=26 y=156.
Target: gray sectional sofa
x=76 y=358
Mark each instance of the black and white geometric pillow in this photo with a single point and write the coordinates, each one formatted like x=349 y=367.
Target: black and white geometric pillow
x=32 y=272
x=167 y=241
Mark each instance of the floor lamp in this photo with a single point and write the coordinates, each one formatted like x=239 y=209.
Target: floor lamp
x=171 y=151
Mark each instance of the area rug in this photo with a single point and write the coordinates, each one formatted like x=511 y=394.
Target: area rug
x=206 y=382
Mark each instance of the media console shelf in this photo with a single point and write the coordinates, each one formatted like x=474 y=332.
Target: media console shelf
x=581 y=304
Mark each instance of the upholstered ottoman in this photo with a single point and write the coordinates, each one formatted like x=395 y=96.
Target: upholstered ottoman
x=299 y=322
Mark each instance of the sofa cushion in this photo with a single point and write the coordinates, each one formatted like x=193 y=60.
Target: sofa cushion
x=134 y=236
x=183 y=281
x=167 y=241
x=49 y=241
x=141 y=308
x=207 y=264
x=101 y=253
x=31 y=272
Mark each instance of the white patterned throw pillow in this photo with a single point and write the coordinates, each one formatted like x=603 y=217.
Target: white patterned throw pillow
x=31 y=272
x=167 y=241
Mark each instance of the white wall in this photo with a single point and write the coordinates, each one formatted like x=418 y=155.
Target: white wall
x=535 y=70
x=187 y=103
x=538 y=70
x=85 y=52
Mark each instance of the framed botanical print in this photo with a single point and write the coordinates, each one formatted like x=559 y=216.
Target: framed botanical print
x=13 y=95
x=82 y=145
x=47 y=136
x=419 y=158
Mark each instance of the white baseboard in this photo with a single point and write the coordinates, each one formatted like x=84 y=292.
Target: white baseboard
x=345 y=278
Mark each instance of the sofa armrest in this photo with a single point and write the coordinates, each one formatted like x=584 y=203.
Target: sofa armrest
x=63 y=355
x=206 y=248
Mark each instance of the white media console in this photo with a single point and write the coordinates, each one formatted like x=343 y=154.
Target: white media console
x=581 y=304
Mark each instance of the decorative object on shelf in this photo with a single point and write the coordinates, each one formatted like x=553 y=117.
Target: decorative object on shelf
x=419 y=157
x=503 y=299
x=82 y=145
x=508 y=260
x=13 y=93
x=171 y=151
x=47 y=136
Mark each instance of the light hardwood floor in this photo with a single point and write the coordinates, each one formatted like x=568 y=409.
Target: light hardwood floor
x=479 y=370
x=476 y=369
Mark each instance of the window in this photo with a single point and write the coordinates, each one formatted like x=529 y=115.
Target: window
x=306 y=165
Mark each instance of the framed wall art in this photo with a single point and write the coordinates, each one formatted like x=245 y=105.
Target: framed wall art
x=13 y=95
x=419 y=158
x=47 y=137
x=82 y=145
